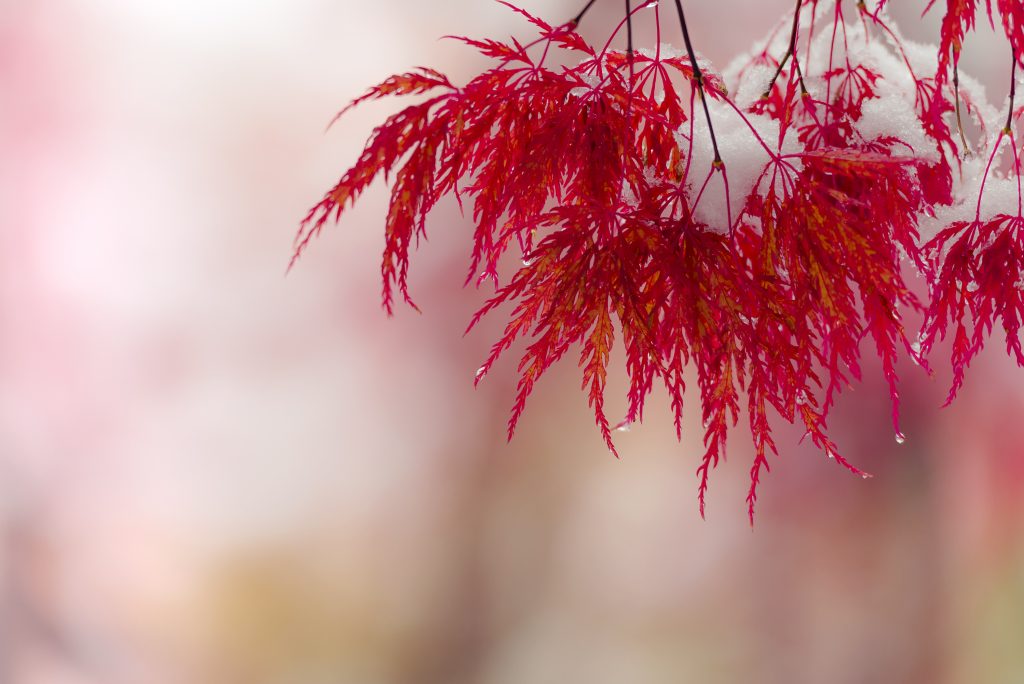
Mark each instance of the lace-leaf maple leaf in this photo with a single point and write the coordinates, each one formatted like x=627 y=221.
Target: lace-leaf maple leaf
x=764 y=258
x=981 y=280
x=960 y=18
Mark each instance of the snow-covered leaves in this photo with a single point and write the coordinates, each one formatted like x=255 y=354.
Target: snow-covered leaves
x=760 y=242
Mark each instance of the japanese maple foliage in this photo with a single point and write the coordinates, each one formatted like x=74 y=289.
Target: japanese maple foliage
x=758 y=235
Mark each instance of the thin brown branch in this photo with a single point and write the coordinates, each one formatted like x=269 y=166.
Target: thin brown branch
x=698 y=78
x=790 y=52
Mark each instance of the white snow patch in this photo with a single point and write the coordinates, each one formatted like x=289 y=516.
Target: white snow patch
x=744 y=157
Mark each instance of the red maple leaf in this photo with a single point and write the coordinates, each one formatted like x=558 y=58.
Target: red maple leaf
x=763 y=258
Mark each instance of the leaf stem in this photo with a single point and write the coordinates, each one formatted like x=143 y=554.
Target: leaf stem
x=790 y=52
x=629 y=32
x=698 y=78
x=1009 y=130
x=959 y=120
x=1013 y=90
x=632 y=69
x=579 y=17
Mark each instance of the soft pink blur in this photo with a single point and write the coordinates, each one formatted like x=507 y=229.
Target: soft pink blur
x=211 y=472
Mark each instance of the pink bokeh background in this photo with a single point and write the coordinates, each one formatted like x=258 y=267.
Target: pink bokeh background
x=212 y=472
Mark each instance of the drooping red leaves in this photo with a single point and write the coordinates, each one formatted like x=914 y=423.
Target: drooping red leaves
x=959 y=18
x=956 y=22
x=980 y=281
x=589 y=175
x=412 y=135
x=824 y=253
x=1011 y=12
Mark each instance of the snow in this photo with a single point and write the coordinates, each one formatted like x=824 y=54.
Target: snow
x=755 y=82
x=744 y=157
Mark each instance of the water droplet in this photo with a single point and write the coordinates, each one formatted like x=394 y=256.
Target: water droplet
x=650 y=4
x=481 y=371
x=801 y=398
x=828 y=452
x=624 y=426
x=865 y=476
x=900 y=438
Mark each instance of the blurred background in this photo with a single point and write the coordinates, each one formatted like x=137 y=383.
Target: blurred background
x=211 y=472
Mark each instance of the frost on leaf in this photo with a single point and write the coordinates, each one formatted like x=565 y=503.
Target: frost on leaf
x=756 y=243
